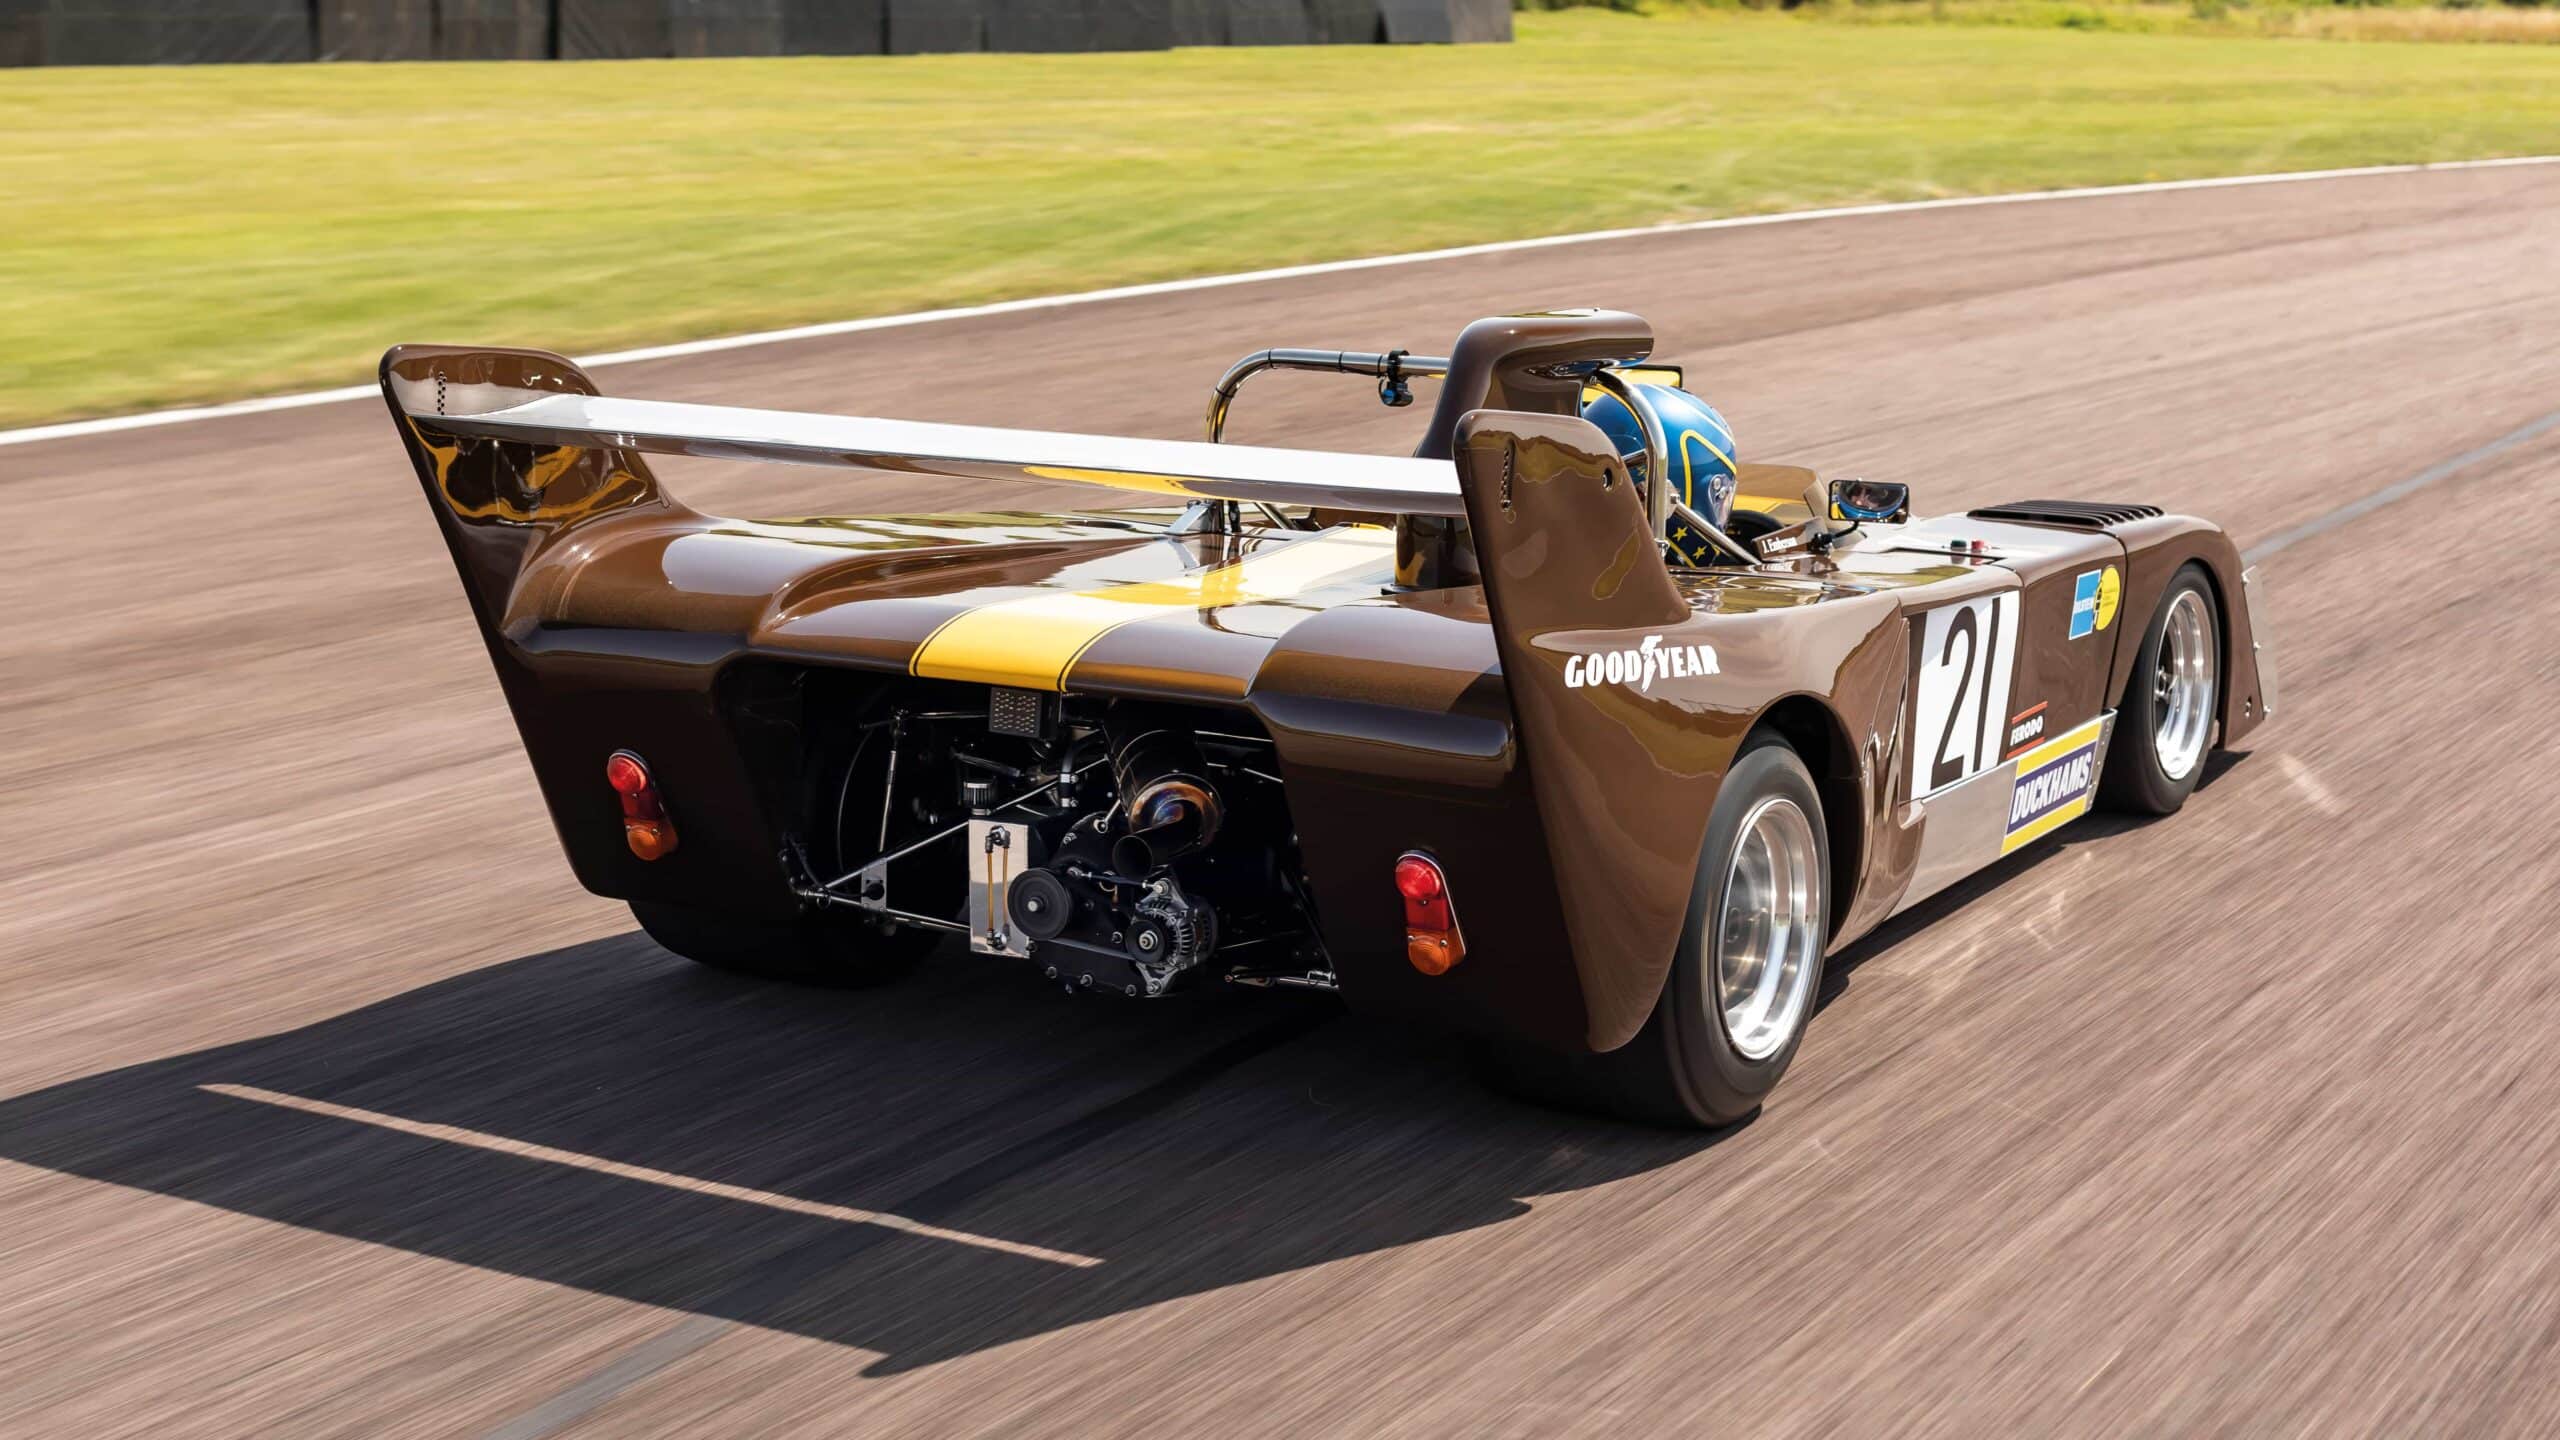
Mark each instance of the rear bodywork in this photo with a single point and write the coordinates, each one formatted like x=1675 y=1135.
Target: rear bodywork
x=1433 y=682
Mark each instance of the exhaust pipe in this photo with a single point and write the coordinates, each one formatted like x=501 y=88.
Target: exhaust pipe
x=1186 y=825
x=1165 y=797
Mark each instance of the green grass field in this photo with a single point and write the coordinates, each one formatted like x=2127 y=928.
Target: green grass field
x=184 y=234
x=2464 y=22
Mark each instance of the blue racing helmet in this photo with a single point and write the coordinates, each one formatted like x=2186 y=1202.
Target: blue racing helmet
x=1700 y=444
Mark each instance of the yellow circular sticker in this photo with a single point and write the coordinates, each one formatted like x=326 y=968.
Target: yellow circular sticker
x=2110 y=594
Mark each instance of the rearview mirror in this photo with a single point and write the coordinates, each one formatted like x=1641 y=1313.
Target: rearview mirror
x=1875 y=500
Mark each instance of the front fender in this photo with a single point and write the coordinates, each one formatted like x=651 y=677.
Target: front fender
x=2155 y=550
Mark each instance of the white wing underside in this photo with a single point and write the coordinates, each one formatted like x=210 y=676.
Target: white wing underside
x=1184 y=468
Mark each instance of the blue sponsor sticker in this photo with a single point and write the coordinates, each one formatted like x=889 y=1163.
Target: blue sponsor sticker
x=2084 y=604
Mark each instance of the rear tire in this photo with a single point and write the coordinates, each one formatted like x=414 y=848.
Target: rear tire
x=815 y=949
x=1723 y=1030
x=2165 y=726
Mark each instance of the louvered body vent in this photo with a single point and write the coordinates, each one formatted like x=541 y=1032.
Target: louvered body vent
x=2079 y=514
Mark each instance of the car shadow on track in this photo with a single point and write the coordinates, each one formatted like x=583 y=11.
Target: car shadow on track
x=610 y=1118
x=556 y=1117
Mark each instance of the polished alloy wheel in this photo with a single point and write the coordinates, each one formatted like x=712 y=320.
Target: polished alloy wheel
x=1768 y=938
x=2182 y=686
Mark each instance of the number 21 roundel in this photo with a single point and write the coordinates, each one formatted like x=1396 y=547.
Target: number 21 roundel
x=1962 y=657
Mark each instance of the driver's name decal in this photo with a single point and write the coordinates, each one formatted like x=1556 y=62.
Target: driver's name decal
x=1641 y=666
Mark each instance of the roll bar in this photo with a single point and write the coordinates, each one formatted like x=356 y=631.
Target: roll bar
x=1392 y=368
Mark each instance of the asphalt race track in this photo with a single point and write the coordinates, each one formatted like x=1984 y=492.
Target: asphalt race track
x=328 y=1105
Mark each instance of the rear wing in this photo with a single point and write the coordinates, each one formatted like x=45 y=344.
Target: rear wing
x=1190 y=470
x=515 y=446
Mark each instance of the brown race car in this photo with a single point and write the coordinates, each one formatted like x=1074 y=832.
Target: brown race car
x=1504 y=735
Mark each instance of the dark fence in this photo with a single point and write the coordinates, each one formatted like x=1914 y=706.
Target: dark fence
x=157 y=32
x=180 y=32
x=375 y=30
x=835 y=27
x=493 y=29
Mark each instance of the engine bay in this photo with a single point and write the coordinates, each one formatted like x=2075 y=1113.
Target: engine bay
x=1118 y=846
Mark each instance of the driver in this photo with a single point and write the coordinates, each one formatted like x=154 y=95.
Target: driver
x=1700 y=444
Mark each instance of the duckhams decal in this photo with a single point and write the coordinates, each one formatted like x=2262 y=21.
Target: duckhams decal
x=2094 y=598
x=1641 y=666
x=2053 y=787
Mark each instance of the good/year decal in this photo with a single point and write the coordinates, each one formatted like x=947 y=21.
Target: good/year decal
x=1960 y=688
x=1641 y=666
x=2053 y=787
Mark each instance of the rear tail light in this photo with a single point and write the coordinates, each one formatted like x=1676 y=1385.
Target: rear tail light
x=645 y=826
x=1431 y=938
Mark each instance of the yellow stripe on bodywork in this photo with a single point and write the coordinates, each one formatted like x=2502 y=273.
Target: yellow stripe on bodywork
x=1032 y=642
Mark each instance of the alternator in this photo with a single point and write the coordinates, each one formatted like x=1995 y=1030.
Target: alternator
x=1169 y=932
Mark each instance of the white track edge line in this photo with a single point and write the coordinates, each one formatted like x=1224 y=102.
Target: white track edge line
x=715 y=1189
x=151 y=419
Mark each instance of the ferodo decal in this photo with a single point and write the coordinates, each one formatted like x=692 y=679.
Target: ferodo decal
x=1960 y=688
x=2026 y=727
x=1641 y=666
x=2094 y=598
x=2053 y=786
